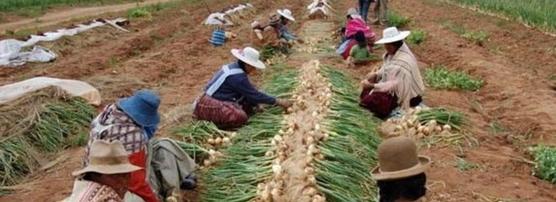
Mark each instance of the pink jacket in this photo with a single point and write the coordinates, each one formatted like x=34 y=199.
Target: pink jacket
x=355 y=25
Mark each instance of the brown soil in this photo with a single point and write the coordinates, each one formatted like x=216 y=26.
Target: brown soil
x=171 y=54
x=515 y=64
x=53 y=17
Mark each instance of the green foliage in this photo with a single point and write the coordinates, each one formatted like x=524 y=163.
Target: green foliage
x=45 y=127
x=140 y=12
x=539 y=13
x=350 y=151
x=416 y=37
x=464 y=165
x=268 y=52
x=442 y=116
x=235 y=177
x=545 y=157
x=397 y=20
x=441 y=78
x=477 y=37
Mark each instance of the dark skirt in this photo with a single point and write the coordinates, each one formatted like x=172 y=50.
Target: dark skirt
x=223 y=114
x=382 y=104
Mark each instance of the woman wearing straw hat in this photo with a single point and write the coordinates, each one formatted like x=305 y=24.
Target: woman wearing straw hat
x=229 y=96
x=398 y=82
x=132 y=121
x=107 y=176
x=278 y=23
x=400 y=173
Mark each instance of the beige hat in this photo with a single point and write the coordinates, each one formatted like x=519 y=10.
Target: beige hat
x=391 y=34
x=107 y=158
x=397 y=158
x=250 y=56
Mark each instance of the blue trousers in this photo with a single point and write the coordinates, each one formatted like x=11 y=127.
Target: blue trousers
x=364 y=8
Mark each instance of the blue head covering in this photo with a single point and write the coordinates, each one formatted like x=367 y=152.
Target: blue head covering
x=142 y=107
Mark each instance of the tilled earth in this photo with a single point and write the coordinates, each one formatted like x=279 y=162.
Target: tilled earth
x=170 y=53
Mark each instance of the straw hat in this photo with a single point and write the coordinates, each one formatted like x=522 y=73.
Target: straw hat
x=142 y=107
x=391 y=34
x=250 y=56
x=397 y=158
x=107 y=158
x=286 y=13
x=352 y=12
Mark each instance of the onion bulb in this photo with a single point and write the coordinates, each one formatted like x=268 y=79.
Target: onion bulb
x=226 y=140
x=277 y=169
x=310 y=191
x=437 y=129
x=275 y=193
x=420 y=129
x=207 y=162
x=212 y=152
x=218 y=141
x=210 y=141
x=278 y=138
x=269 y=154
x=426 y=131
x=309 y=170
x=233 y=134
x=311 y=179
x=447 y=127
x=308 y=159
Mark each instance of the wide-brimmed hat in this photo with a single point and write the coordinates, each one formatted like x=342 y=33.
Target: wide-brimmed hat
x=391 y=34
x=397 y=159
x=250 y=56
x=352 y=12
x=107 y=158
x=286 y=13
x=142 y=107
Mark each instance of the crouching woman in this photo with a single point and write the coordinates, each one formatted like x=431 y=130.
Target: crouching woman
x=398 y=82
x=229 y=97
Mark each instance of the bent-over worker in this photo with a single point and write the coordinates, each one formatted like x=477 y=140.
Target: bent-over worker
x=133 y=121
x=106 y=178
x=229 y=97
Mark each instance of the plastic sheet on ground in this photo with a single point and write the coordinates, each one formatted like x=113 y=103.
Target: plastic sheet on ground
x=11 y=50
x=74 y=88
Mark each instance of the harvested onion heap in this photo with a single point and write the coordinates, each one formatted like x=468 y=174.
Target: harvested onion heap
x=217 y=142
x=410 y=125
x=313 y=87
x=310 y=46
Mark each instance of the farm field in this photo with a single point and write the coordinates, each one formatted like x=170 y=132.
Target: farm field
x=538 y=13
x=496 y=75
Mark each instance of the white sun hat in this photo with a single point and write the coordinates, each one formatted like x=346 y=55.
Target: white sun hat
x=286 y=13
x=250 y=56
x=391 y=34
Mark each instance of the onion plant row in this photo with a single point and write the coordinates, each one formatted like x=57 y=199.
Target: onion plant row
x=235 y=176
x=350 y=151
x=36 y=126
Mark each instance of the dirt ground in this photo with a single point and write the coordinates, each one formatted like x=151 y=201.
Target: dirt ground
x=170 y=53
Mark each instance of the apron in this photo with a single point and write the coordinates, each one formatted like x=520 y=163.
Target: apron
x=217 y=81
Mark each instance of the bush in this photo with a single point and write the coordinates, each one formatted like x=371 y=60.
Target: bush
x=476 y=37
x=417 y=37
x=441 y=78
x=141 y=12
x=545 y=158
x=396 y=20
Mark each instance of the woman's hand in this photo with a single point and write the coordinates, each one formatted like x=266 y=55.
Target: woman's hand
x=284 y=103
x=365 y=84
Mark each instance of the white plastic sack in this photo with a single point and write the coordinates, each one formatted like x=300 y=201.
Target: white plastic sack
x=74 y=88
x=217 y=19
x=9 y=49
